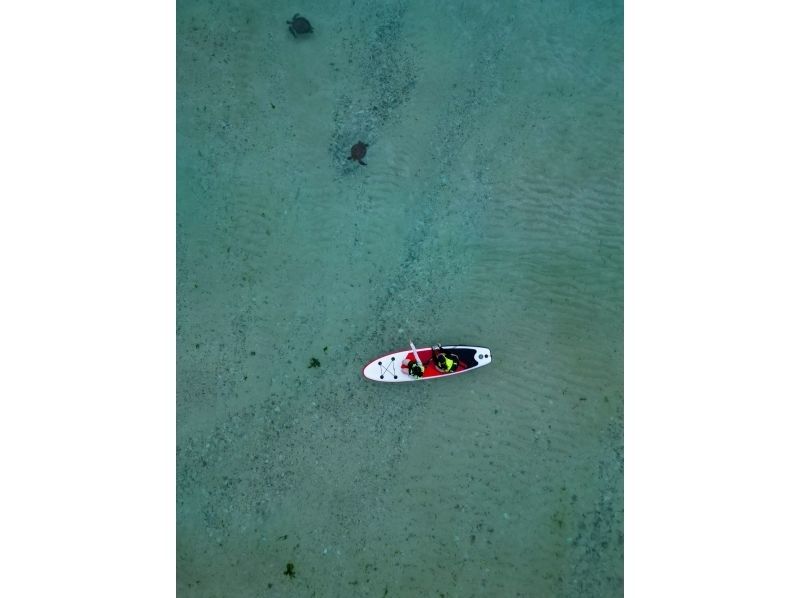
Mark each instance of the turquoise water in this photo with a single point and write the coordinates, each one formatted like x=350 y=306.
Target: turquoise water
x=490 y=212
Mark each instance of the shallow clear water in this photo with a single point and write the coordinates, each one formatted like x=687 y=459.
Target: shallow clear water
x=489 y=213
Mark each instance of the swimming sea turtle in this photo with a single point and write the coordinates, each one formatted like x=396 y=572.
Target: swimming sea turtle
x=358 y=151
x=299 y=25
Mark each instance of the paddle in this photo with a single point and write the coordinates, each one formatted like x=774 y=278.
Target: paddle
x=414 y=350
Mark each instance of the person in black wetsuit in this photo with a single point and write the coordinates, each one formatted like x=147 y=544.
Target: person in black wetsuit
x=414 y=369
x=444 y=362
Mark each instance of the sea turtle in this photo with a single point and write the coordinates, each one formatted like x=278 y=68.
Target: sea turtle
x=299 y=25
x=358 y=151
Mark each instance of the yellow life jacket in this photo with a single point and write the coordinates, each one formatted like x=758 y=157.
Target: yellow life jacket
x=449 y=364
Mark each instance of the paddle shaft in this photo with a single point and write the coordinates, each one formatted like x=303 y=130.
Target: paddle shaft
x=414 y=350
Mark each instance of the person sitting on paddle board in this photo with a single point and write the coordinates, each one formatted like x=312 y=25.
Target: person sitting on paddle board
x=442 y=361
x=414 y=368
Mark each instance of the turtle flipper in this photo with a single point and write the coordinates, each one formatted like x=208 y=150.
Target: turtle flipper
x=362 y=163
x=292 y=31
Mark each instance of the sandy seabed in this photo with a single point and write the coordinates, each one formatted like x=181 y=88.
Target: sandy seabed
x=489 y=213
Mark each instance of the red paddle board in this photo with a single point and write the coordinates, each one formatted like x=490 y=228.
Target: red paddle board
x=394 y=366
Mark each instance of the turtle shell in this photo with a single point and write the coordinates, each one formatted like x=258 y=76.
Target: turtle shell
x=358 y=151
x=301 y=24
